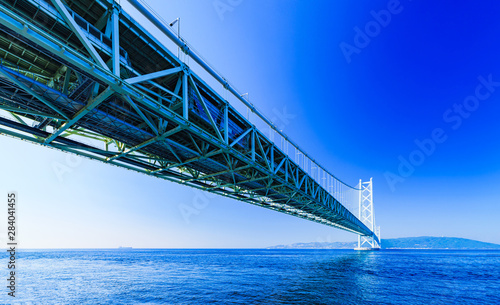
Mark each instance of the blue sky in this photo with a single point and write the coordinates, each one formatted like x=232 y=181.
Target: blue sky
x=430 y=69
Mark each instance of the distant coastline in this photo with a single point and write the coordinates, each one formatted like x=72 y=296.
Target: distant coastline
x=422 y=242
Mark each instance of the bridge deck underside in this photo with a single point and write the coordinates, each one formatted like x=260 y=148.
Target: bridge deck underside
x=173 y=127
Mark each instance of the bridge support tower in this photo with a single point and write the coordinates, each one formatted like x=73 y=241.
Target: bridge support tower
x=367 y=216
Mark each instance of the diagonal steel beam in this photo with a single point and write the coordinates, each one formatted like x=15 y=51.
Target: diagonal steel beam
x=78 y=32
x=205 y=108
x=151 y=76
x=89 y=107
x=176 y=90
x=210 y=154
x=240 y=137
x=264 y=155
x=162 y=89
x=279 y=165
x=146 y=143
x=140 y=113
x=32 y=92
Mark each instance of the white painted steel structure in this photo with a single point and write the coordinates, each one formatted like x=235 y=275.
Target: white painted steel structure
x=367 y=216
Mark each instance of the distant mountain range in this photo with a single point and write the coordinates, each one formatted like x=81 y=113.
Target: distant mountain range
x=423 y=242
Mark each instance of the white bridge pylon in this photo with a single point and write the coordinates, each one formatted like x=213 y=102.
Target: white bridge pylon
x=367 y=216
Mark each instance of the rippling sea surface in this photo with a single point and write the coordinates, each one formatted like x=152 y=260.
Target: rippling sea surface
x=255 y=277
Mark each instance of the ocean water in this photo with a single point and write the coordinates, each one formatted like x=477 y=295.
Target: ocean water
x=254 y=277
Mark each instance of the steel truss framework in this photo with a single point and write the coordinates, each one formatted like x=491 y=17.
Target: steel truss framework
x=367 y=216
x=86 y=71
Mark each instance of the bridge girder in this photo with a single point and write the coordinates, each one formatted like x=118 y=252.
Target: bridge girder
x=158 y=118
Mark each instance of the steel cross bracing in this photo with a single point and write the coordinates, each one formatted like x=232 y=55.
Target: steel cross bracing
x=367 y=216
x=84 y=77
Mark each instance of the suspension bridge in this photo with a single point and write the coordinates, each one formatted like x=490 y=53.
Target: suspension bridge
x=84 y=77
